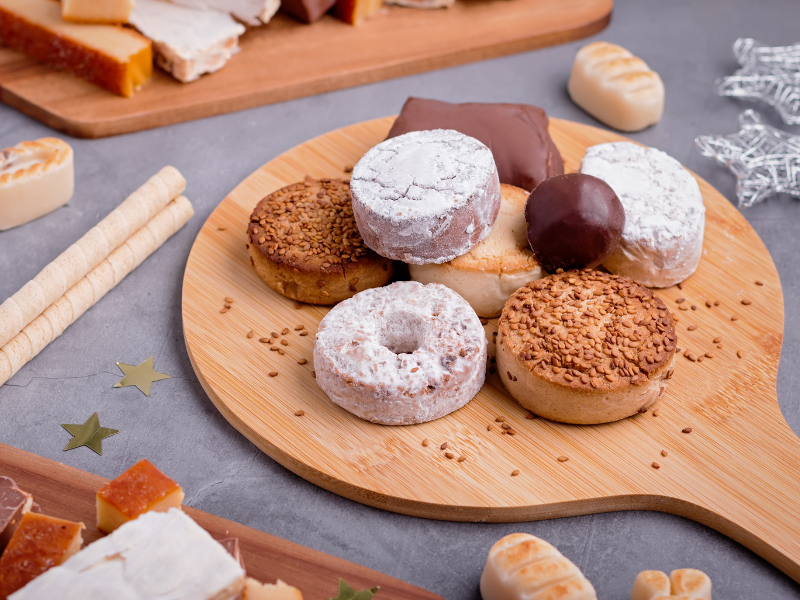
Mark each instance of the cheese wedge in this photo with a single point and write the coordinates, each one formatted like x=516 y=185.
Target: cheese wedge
x=115 y=58
x=35 y=178
x=140 y=489
x=158 y=556
x=252 y=12
x=39 y=543
x=96 y=11
x=187 y=42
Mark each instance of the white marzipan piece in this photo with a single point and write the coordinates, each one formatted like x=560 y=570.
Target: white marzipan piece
x=523 y=567
x=85 y=254
x=87 y=291
x=662 y=241
x=616 y=87
x=35 y=179
x=682 y=584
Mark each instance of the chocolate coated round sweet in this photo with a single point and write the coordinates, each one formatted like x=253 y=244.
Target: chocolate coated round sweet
x=574 y=221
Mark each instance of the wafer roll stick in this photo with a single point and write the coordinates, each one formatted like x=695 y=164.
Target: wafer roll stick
x=89 y=289
x=85 y=254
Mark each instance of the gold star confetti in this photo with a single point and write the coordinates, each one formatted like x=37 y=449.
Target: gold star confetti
x=89 y=434
x=142 y=376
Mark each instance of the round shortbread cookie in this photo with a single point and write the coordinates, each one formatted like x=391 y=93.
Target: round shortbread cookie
x=585 y=347
x=494 y=269
x=304 y=244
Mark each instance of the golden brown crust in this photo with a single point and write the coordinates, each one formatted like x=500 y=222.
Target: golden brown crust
x=603 y=342
x=304 y=244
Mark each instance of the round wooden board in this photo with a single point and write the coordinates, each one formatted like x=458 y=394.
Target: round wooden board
x=735 y=471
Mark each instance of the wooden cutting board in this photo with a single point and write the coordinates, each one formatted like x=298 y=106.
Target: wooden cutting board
x=287 y=59
x=736 y=471
x=69 y=493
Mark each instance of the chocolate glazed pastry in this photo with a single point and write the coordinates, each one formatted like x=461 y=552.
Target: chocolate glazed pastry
x=574 y=221
x=307 y=11
x=515 y=133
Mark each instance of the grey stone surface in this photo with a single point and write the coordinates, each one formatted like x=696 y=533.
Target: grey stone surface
x=687 y=42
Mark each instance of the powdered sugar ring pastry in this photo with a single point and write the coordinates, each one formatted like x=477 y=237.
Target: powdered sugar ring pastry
x=662 y=240
x=426 y=196
x=402 y=354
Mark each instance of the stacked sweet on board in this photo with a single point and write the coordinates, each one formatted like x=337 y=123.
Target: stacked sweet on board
x=114 y=43
x=471 y=201
x=153 y=549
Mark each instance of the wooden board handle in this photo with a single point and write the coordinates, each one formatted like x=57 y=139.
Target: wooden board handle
x=752 y=495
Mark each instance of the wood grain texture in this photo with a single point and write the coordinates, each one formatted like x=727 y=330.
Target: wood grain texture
x=286 y=59
x=69 y=493
x=735 y=472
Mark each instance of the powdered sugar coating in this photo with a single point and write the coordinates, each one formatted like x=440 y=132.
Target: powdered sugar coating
x=664 y=212
x=426 y=196
x=368 y=346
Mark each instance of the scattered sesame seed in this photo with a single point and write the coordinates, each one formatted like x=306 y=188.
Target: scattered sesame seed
x=462 y=458
x=443 y=446
x=281 y=352
x=425 y=442
x=299 y=327
x=224 y=310
x=739 y=353
x=680 y=285
x=716 y=302
x=680 y=300
x=221 y=228
x=303 y=333
x=462 y=353
x=515 y=472
x=735 y=317
x=265 y=340
x=299 y=413
x=759 y=282
x=484 y=322
x=302 y=361
x=694 y=307
x=656 y=465
x=297 y=305
x=709 y=355
x=284 y=343
x=415 y=369
x=285 y=331
x=530 y=416
x=691 y=327
x=228 y=299
x=449 y=455
x=314 y=374
x=687 y=430
x=664 y=453
x=488 y=428
x=746 y=302
x=274 y=348
x=273 y=373
x=511 y=431
x=251 y=334
x=709 y=304
x=500 y=420
x=274 y=334
x=642 y=410
x=717 y=340
x=563 y=458
x=656 y=412
x=682 y=307
x=228 y=305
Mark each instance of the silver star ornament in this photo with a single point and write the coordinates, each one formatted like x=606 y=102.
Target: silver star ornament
x=765 y=160
x=769 y=74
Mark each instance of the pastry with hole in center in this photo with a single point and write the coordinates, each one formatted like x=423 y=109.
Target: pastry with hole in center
x=494 y=269
x=585 y=347
x=304 y=244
